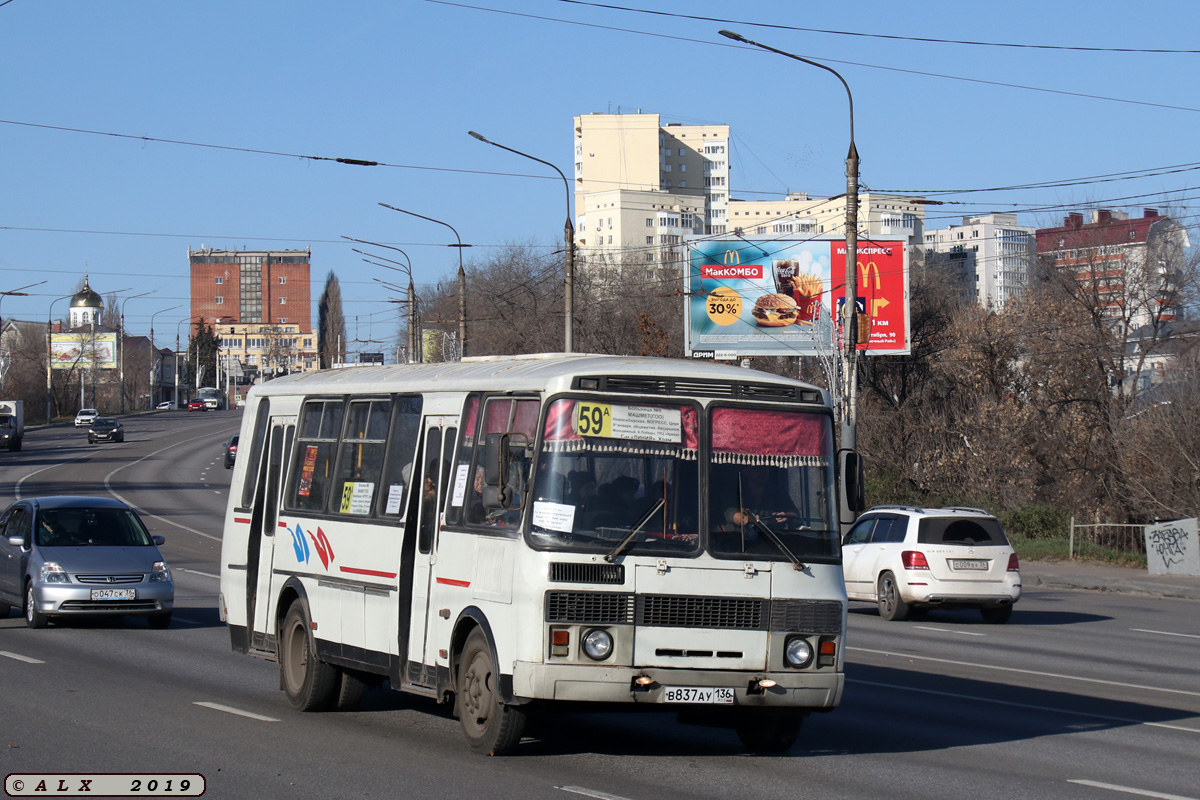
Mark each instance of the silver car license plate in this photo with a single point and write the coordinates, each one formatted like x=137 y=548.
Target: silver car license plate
x=693 y=694
x=114 y=594
x=968 y=563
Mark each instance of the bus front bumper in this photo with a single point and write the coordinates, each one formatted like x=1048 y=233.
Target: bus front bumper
x=817 y=690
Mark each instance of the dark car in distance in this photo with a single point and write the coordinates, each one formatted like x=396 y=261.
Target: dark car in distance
x=231 y=451
x=106 y=429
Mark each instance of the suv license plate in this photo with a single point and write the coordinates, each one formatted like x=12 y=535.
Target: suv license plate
x=967 y=563
x=692 y=694
x=114 y=594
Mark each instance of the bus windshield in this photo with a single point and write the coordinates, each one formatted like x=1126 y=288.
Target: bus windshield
x=618 y=477
x=623 y=478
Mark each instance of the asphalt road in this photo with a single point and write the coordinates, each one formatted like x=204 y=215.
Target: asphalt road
x=1081 y=695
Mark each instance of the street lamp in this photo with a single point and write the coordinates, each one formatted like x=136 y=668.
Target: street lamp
x=568 y=237
x=121 y=344
x=849 y=435
x=177 y=324
x=50 y=356
x=462 y=278
x=154 y=370
x=411 y=291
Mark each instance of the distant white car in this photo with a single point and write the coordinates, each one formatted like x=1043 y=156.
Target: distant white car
x=908 y=560
x=85 y=416
x=163 y=406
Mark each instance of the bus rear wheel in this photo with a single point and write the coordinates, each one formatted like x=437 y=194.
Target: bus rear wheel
x=309 y=683
x=491 y=727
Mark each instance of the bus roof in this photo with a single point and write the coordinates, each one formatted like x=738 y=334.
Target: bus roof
x=534 y=372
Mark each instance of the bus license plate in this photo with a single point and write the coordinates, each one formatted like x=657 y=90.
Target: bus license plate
x=692 y=694
x=114 y=594
x=967 y=563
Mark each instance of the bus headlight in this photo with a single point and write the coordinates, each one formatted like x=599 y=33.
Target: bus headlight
x=597 y=644
x=797 y=652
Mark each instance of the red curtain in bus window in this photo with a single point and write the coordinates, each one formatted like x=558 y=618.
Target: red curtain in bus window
x=559 y=432
x=774 y=438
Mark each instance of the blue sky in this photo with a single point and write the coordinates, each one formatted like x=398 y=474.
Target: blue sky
x=402 y=81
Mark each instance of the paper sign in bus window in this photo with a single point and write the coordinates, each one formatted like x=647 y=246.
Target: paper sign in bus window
x=642 y=423
x=306 y=473
x=554 y=516
x=356 y=497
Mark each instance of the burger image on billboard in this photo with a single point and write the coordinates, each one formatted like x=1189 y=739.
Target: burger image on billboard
x=774 y=310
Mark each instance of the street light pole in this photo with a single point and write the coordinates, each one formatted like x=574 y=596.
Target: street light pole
x=462 y=278
x=568 y=238
x=50 y=357
x=412 y=294
x=121 y=344
x=849 y=434
x=154 y=371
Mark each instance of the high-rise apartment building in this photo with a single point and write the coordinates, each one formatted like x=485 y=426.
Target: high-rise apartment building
x=1127 y=267
x=991 y=254
x=259 y=299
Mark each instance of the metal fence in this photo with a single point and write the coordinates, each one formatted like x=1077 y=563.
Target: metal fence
x=1125 y=538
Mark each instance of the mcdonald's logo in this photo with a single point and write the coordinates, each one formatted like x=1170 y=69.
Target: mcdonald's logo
x=732 y=257
x=865 y=271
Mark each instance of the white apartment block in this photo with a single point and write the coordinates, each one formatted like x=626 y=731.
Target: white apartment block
x=880 y=216
x=992 y=251
x=640 y=186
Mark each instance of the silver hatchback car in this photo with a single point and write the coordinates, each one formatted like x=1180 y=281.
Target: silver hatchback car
x=81 y=556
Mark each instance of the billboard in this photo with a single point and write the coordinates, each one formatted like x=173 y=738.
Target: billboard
x=83 y=350
x=782 y=297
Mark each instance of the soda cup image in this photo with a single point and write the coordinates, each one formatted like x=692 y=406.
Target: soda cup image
x=806 y=291
x=784 y=272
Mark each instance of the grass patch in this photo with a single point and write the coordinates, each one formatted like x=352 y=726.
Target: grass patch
x=1058 y=548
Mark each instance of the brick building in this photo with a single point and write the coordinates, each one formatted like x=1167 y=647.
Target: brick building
x=261 y=296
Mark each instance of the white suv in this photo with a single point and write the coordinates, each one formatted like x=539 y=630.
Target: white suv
x=86 y=417
x=909 y=559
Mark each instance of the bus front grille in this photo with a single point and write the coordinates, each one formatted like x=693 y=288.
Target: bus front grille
x=807 y=616
x=676 y=611
x=590 y=608
x=565 y=572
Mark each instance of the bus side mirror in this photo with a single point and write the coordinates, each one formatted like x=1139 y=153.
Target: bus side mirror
x=495 y=459
x=851 y=494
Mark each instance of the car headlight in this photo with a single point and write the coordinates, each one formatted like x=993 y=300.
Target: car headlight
x=52 y=572
x=797 y=652
x=597 y=644
x=160 y=572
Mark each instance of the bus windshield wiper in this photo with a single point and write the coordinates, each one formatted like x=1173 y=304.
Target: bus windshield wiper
x=637 y=528
x=774 y=539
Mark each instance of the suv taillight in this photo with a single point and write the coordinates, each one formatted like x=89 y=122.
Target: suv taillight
x=913 y=559
x=1013 y=564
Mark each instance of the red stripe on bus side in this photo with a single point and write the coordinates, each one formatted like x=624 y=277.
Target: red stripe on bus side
x=241 y=521
x=373 y=572
x=452 y=582
x=282 y=524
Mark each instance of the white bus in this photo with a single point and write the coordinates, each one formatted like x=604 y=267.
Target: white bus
x=505 y=532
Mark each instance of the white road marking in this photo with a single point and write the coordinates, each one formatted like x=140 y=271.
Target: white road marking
x=1026 y=672
x=19 y=657
x=238 y=711
x=198 y=572
x=1130 y=790
x=591 y=793
x=1030 y=706
x=948 y=630
x=1166 y=633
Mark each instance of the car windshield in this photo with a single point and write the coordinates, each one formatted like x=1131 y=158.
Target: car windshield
x=91 y=527
x=104 y=423
x=87 y=412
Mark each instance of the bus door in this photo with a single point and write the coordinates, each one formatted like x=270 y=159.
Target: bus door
x=429 y=480
x=264 y=521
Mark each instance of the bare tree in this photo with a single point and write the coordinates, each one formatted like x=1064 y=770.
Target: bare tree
x=331 y=323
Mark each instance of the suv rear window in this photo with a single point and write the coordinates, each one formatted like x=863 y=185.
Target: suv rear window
x=959 y=531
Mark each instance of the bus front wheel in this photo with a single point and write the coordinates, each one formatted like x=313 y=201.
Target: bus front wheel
x=310 y=684
x=491 y=727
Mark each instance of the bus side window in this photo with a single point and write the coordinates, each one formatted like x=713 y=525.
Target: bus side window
x=402 y=445
x=309 y=484
x=254 y=452
x=360 y=459
x=426 y=479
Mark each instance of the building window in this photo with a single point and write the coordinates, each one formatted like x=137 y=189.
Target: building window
x=610 y=238
x=219 y=301
x=283 y=301
x=282 y=319
x=649 y=240
x=649 y=222
x=683 y=184
x=282 y=279
x=220 y=280
x=683 y=167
